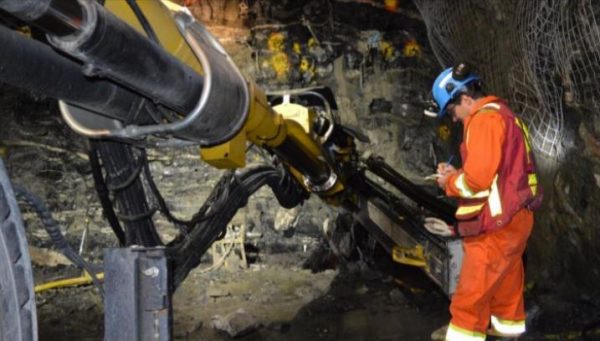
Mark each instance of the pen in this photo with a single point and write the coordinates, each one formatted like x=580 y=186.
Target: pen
x=450 y=159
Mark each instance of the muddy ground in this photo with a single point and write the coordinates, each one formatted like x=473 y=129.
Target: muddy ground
x=287 y=302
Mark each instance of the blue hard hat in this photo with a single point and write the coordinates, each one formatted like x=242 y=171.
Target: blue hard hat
x=447 y=87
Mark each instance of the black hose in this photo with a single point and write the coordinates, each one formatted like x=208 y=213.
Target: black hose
x=103 y=194
x=118 y=161
x=229 y=195
x=53 y=229
x=32 y=65
x=127 y=182
x=162 y=205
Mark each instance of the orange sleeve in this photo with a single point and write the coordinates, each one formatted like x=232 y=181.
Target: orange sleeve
x=483 y=138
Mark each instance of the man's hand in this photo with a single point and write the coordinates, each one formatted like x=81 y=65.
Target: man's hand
x=445 y=170
x=438 y=226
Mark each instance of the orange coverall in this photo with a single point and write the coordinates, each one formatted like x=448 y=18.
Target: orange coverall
x=492 y=277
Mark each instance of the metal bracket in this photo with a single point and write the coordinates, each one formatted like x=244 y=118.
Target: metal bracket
x=137 y=300
x=414 y=256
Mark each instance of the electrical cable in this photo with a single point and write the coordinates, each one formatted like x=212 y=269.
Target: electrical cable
x=162 y=205
x=53 y=229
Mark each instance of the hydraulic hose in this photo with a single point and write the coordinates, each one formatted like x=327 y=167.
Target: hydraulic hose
x=210 y=109
x=104 y=194
x=110 y=48
x=229 y=195
x=62 y=17
x=32 y=65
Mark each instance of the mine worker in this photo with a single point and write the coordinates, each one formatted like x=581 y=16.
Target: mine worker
x=497 y=190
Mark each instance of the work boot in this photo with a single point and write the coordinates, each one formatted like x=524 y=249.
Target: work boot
x=439 y=334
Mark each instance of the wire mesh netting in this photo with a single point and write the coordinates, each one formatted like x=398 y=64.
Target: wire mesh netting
x=544 y=56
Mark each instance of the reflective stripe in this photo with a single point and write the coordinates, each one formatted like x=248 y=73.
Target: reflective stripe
x=467 y=137
x=445 y=80
x=494 y=199
x=526 y=139
x=458 y=334
x=508 y=327
x=533 y=183
x=468 y=210
x=492 y=106
x=465 y=191
x=532 y=177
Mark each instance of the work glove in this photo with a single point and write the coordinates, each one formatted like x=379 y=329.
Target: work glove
x=438 y=226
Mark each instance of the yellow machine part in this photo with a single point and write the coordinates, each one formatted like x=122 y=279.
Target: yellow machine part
x=231 y=154
x=297 y=113
x=414 y=256
x=159 y=15
x=267 y=127
x=264 y=126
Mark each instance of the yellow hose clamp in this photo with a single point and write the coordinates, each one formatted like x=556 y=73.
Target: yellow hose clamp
x=413 y=256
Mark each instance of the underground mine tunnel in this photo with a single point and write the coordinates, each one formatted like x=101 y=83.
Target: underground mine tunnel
x=258 y=169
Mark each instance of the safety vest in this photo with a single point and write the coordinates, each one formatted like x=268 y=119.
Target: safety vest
x=515 y=185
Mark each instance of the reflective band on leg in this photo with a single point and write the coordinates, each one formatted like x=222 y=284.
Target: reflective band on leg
x=508 y=327
x=459 y=334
